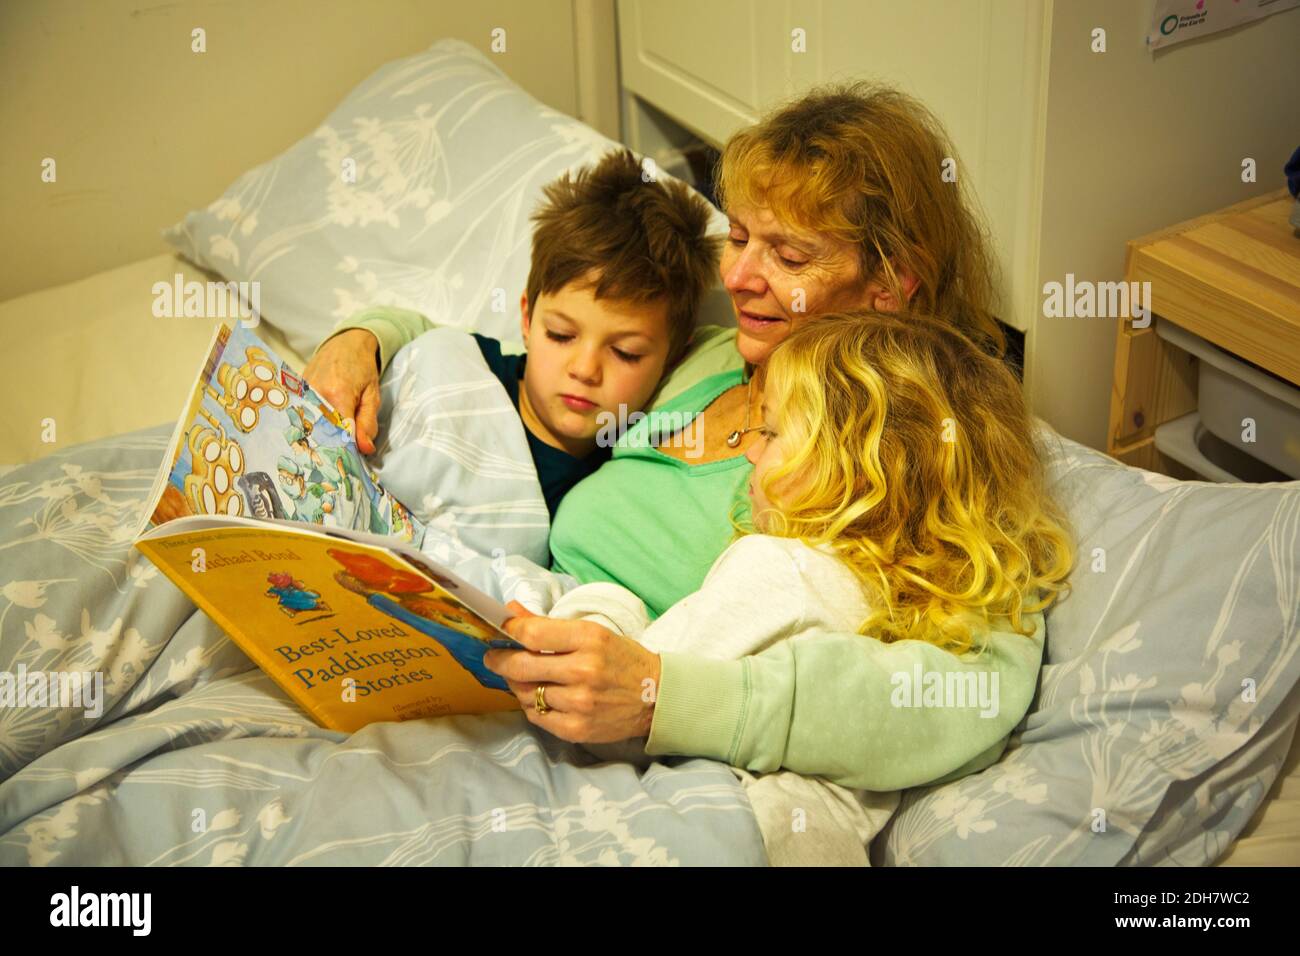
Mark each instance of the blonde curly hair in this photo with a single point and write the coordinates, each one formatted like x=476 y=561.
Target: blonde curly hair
x=910 y=452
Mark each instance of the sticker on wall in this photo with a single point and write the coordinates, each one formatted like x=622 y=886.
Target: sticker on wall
x=1173 y=21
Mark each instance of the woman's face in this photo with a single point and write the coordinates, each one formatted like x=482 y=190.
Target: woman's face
x=780 y=277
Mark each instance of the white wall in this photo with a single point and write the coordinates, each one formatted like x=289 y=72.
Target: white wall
x=143 y=129
x=1136 y=142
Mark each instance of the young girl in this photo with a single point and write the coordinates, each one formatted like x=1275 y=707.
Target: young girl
x=897 y=493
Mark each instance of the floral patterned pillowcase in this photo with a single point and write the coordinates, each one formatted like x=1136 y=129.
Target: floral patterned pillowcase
x=1169 y=688
x=415 y=192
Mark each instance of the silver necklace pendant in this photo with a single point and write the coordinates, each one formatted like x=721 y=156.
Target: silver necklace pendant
x=734 y=438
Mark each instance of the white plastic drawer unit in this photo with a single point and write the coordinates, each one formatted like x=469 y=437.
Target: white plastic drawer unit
x=1250 y=411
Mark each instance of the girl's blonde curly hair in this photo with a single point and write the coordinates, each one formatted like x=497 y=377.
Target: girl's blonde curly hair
x=910 y=452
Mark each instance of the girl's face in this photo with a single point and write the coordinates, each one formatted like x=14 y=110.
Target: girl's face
x=779 y=277
x=768 y=452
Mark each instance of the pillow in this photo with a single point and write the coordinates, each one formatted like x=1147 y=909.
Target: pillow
x=1168 y=685
x=451 y=158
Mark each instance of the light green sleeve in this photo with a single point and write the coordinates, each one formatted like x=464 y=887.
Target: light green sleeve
x=829 y=705
x=393 y=327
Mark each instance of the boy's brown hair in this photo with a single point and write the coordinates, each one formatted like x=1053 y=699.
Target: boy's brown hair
x=645 y=241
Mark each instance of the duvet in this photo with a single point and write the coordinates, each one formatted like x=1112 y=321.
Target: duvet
x=194 y=757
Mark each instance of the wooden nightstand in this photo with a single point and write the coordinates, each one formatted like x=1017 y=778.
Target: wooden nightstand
x=1233 y=279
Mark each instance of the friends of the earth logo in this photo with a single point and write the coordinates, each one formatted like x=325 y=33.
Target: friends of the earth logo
x=1175 y=21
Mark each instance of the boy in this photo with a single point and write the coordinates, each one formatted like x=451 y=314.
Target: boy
x=619 y=267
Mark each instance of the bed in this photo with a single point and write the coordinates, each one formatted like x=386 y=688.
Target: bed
x=199 y=759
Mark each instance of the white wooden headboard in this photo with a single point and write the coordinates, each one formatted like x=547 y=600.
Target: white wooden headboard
x=716 y=67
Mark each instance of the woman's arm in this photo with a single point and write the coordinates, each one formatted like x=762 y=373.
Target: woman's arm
x=392 y=328
x=859 y=712
x=825 y=703
x=601 y=686
x=346 y=367
x=713 y=350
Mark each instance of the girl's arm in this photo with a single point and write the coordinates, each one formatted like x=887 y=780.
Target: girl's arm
x=610 y=605
x=756 y=593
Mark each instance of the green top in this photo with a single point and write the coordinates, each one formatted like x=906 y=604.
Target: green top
x=820 y=704
x=602 y=533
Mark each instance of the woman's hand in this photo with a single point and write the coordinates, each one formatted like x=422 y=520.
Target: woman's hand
x=600 y=686
x=345 y=371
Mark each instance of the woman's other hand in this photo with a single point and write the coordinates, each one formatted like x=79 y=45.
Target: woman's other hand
x=600 y=686
x=345 y=371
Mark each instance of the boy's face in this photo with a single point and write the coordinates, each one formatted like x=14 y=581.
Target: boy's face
x=585 y=357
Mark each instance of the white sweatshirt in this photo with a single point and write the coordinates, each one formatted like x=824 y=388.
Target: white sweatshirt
x=761 y=590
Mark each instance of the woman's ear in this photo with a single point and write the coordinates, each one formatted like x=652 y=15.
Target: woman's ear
x=884 y=300
x=908 y=280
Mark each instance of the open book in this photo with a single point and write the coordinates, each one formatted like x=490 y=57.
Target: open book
x=265 y=514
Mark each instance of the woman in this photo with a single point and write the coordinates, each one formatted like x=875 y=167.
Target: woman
x=836 y=202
